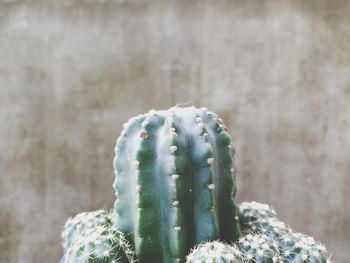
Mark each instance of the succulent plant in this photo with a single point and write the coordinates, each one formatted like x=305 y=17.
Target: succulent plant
x=175 y=189
x=259 y=249
x=293 y=247
x=175 y=183
x=214 y=252
x=299 y=248
x=260 y=218
x=86 y=220
x=254 y=211
x=92 y=238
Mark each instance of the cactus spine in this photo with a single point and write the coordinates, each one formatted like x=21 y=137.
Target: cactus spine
x=175 y=183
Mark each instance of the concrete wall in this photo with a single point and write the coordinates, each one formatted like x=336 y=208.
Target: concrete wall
x=71 y=72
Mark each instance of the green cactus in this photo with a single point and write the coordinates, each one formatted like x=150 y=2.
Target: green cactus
x=248 y=249
x=254 y=211
x=86 y=220
x=175 y=183
x=259 y=249
x=101 y=245
x=272 y=227
x=214 y=252
x=175 y=188
x=91 y=238
x=292 y=247
x=298 y=248
x=260 y=218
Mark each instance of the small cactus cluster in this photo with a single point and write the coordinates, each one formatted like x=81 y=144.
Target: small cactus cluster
x=293 y=247
x=266 y=240
x=175 y=189
x=91 y=237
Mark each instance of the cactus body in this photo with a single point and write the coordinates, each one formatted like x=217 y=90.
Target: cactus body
x=257 y=218
x=86 y=220
x=92 y=238
x=214 y=252
x=259 y=249
x=260 y=218
x=298 y=248
x=175 y=183
x=254 y=211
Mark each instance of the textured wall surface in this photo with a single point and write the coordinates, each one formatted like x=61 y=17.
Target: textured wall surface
x=71 y=72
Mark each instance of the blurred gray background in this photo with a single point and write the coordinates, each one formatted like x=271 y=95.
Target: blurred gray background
x=71 y=72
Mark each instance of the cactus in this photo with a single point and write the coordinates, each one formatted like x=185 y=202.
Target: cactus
x=260 y=218
x=92 y=238
x=214 y=252
x=175 y=183
x=272 y=227
x=298 y=248
x=259 y=249
x=254 y=211
x=175 y=188
x=86 y=220
x=293 y=247
x=101 y=245
x=250 y=248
